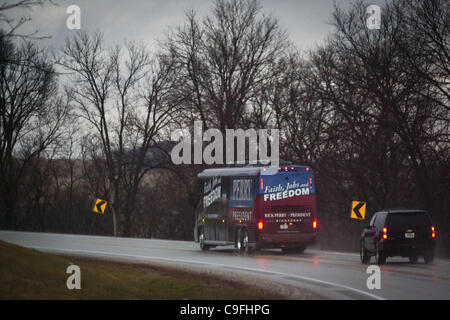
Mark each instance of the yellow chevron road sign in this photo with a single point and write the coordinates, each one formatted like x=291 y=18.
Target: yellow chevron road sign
x=99 y=206
x=358 y=210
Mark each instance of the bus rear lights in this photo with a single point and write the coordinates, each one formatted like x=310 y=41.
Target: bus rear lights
x=286 y=169
x=433 y=232
x=314 y=224
x=385 y=233
x=260 y=225
x=262 y=184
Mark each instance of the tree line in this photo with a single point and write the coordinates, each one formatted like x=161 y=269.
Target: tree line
x=367 y=109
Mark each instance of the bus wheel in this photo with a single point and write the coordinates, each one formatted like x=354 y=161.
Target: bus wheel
x=293 y=250
x=201 y=240
x=242 y=241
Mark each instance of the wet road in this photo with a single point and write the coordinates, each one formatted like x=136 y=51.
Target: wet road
x=332 y=275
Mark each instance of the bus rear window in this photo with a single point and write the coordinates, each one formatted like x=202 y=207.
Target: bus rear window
x=300 y=182
x=410 y=219
x=242 y=190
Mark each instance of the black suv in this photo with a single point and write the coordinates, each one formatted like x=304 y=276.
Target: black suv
x=406 y=233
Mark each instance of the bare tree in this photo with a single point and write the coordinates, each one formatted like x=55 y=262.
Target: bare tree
x=382 y=129
x=429 y=28
x=10 y=25
x=224 y=59
x=123 y=98
x=31 y=115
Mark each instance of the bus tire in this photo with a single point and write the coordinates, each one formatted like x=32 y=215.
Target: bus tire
x=201 y=240
x=293 y=250
x=242 y=241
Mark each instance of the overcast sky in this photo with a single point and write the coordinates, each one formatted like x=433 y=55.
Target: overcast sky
x=306 y=21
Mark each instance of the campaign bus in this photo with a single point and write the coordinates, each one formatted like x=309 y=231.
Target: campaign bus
x=247 y=208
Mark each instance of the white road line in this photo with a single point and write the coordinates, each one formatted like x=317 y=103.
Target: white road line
x=336 y=285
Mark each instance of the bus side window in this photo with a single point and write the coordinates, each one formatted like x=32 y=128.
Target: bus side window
x=242 y=189
x=372 y=222
x=234 y=190
x=379 y=223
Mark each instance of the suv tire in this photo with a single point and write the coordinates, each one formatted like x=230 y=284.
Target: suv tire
x=413 y=258
x=429 y=258
x=379 y=254
x=365 y=258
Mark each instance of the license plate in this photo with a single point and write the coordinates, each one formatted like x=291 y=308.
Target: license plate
x=283 y=226
x=409 y=235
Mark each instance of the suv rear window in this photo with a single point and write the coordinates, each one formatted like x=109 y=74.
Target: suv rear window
x=409 y=219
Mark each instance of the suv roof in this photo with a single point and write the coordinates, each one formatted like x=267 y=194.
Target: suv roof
x=401 y=211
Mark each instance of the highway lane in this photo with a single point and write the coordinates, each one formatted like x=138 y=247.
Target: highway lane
x=330 y=274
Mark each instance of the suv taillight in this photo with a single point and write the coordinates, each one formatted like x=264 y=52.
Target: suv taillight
x=433 y=232
x=384 y=235
x=314 y=224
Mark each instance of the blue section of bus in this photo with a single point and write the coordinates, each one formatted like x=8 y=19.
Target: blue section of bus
x=243 y=203
x=298 y=179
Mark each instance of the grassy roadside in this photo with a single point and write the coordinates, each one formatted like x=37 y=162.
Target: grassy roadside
x=29 y=274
